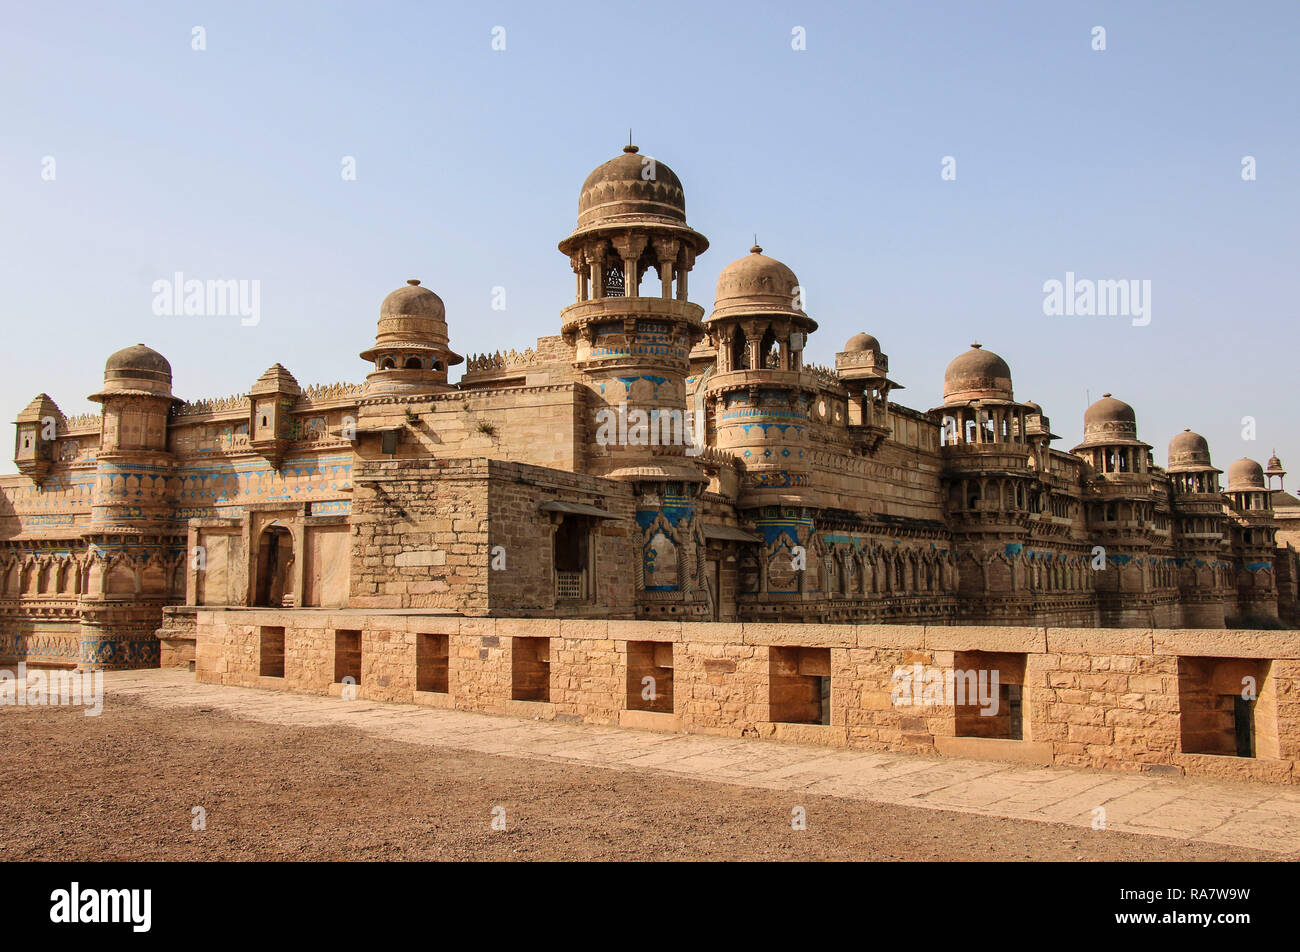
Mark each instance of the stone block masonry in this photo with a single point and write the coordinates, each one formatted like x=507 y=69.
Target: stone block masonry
x=1220 y=703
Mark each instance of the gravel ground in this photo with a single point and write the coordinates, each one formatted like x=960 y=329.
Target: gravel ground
x=122 y=787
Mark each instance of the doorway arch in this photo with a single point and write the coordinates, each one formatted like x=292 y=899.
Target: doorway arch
x=273 y=580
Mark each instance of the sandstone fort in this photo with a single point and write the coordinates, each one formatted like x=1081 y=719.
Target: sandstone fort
x=666 y=518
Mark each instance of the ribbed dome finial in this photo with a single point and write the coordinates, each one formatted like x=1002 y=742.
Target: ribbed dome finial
x=413 y=282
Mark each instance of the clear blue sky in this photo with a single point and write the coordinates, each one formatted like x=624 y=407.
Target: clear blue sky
x=225 y=163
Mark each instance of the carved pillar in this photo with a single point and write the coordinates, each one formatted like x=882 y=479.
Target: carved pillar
x=666 y=250
x=629 y=248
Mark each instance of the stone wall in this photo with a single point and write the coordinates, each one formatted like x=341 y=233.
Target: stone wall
x=1123 y=699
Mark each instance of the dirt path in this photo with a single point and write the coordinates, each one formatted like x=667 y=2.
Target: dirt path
x=123 y=785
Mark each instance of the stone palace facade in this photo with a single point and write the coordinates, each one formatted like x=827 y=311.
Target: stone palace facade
x=648 y=462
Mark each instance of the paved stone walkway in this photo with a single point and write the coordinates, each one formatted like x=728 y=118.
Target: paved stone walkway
x=1257 y=815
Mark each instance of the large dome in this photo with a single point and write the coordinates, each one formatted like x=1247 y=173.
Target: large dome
x=1189 y=451
x=138 y=369
x=1244 y=475
x=1109 y=412
x=631 y=186
x=977 y=374
x=756 y=284
x=141 y=359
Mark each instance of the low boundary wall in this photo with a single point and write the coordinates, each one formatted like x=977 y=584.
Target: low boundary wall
x=1197 y=701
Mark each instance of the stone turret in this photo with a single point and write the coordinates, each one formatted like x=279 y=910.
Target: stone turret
x=134 y=536
x=631 y=351
x=760 y=394
x=34 y=442
x=863 y=368
x=1200 y=532
x=270 y=407
x=412 y=352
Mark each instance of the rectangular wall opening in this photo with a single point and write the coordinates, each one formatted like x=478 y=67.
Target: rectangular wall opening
x=1221 y=708
x=271 y=652
x=650 y=676
x=347 y=656
x=431 y=653
x=530 y=669
x=979 y=708
x=799 y=685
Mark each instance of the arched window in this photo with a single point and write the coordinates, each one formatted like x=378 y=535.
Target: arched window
x=739 y=351
x=414 y=363
x=388 y=364
x=770 y=351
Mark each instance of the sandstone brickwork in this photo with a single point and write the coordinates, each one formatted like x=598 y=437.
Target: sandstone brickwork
x=1115 y=698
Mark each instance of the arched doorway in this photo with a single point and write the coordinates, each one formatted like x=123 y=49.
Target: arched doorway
x=274 y=580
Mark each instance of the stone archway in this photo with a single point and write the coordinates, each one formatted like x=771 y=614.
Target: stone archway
x=273 y=580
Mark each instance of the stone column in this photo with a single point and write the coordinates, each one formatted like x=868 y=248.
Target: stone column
x=629 y=248
x=596 y=261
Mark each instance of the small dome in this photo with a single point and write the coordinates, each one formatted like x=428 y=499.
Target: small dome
x=412 y=330
x=413 y=301
x=976 y=375
x=1189 y=450
x=1274 y=464
x=1244 y=475
x=631 y=186
x=139 y=369
x=1033 y=407
x=861 y=342
x=756 y=283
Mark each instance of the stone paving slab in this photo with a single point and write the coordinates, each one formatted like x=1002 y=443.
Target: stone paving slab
x=1253 y=815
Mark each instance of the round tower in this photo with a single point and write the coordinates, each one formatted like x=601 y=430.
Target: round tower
x=631 y=345
x=631 y=351
x=1254 y=536
x=992 y=491
x=411 y=353
x=760 y=394
x=1200 y=527
x=134 y=538
x=1126 y=517
x=134 y=464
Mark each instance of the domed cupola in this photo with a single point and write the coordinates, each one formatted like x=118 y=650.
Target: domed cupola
x=1110 y=438
x=1246 y=486
x=760 y=394
x=863 y=367
x=1190 y=468
x=411 y=353
x=758 y=321
x=1275 y=469
x=979 y=404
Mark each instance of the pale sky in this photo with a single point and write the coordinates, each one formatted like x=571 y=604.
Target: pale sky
x=224 y=163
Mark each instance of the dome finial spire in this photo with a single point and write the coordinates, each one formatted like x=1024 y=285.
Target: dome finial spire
x=630 y=148
x=756 y=250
